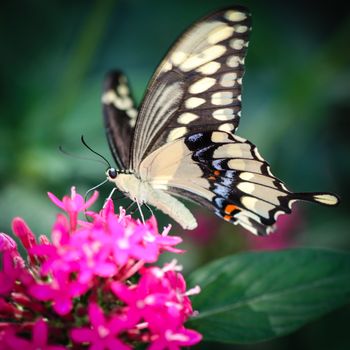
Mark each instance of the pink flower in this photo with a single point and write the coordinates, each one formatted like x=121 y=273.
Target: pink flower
x=164 y=241
x=103 y=333
x=60 y=233
x=12 y=266
x=132 y=242
x=97 y=265
x=73 y=204
x=175 y=340
x=23 y=232
x=6 y=310
x=61 y=291
x=39 y=339
x=7 y=243
x=94 y=254
x=160 y=299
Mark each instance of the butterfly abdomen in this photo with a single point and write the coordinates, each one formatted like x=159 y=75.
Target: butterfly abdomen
x=142 y=192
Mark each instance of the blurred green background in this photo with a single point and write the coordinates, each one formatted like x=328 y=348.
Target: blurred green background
x=296 y=107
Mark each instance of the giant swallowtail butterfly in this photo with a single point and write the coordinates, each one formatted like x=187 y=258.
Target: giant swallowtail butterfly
x=181 y=141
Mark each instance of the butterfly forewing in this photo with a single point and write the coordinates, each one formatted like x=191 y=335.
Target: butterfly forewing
x=119 y=117
x=198 y=84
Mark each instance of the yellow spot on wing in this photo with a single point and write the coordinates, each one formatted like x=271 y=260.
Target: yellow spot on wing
x=194 y=102
x=177 y=133
x=235 y=16
x=201 y=85
x=219 y=34
x=327 y=199
x=209 y=68
x=223 y=114
x=186 y=118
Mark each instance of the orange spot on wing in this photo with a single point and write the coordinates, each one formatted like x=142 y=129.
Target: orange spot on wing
x=230 y=208
x=227 y=217
x=216 y=172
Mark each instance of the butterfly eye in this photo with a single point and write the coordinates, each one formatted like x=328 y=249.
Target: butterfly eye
x=112 y=173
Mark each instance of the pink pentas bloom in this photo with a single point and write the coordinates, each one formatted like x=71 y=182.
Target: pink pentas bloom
x=61 y=291
x=23 y=232
x=175 y=340
x=94 y=254
x=100 y=266
x=128 y=239
x=12 y=265
x=7 y=243
x=141 y=242
x=39 y=339
x=161 y=300
x=102 y=333
x=26 y=236
x=11 y=272
x=73 y=205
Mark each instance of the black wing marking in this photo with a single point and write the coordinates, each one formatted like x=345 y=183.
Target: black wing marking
x=198 y=84
x=119 y=117
x=226 y=174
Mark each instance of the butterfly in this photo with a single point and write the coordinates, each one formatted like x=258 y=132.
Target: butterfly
x=181 y=142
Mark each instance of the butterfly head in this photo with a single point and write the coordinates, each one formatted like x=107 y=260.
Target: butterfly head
x=126 y=182
x=111 y=173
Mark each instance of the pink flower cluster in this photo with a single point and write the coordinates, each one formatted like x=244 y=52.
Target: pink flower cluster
x=93 y=286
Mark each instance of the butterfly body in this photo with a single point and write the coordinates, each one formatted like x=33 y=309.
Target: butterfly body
x=142 y=191
x=181 y=143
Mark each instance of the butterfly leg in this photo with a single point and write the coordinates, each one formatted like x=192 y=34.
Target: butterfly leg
x=130 y=206
x=149 y=208
x=141 y=213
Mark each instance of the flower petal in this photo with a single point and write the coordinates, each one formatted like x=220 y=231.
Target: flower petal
x=6 y=242
x=40 y=333
x=96 y=315
x=56 y=201
x=91 y=200
x=82 y=335
x=117 y=344
x=23 y=232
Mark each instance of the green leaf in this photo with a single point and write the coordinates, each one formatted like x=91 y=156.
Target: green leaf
x=252 y=297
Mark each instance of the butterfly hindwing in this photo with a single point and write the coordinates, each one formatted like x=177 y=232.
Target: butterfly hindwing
x=120 y=116
x=225 y=173
x=246 y=192
x=197 y=86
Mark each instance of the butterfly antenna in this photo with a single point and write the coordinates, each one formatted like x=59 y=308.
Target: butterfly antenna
x=93 y=151
x=62 y=150
x=94 y=188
